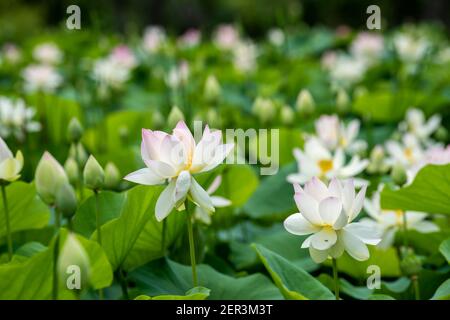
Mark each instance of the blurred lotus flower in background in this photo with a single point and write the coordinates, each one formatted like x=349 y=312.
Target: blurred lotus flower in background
x=328 y=59
x=226 y=36
x=347 y=70
x=388 y=222
x=49 y=177
x=10 y=166
x=317 y=161
x=276 y=36
x=416 y=124
x=41 y=77
x=368 y=45
x=16 y=119
x=123 y=56
x=409 y=48
x=305 y=104
x=110 y=73
x=154 y=38
x=437 y=155
x=178 y=75
x=48 y=53
x=408 y=152
x=264 y=109
x=212 y=89
x=176 y=158
x=191 y=38
x=327 y=212
x=11 y=53
x=244 y=56
x=217 y=201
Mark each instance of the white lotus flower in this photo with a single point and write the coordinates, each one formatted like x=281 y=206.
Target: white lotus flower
x=10 y=166
x=388 y=222
x=327 y=213
x=191 y=38
x=217 y=201
x=276 y=36
x=176 y=158
x=368 y=46
x=347 y=70
x=335 y=134
x=154 y=38
x=408 y=152
x=416 y=124
x=244 y=56
x=178 y=75
x=11 y=53
x=318 y=161
x=410 y=49
x=47 y=53
x=41 y=77
x=16 y=118
x=438 y=155
x=110 y=73
x=123 y=56
x=226 y=36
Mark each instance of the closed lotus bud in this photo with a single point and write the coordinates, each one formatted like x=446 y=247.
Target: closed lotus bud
x=175 y=116
x=71 y=168
x=398 y=175
x=112 y=176
x=264 y=109
x=342 y=101
x=78 y=152
x=49 y=177
x=212 y=89
x=66 y=200
x=411 y=265
x=94 y=176
x=74 y=130
x=213 y=119
x=305 y=104
x=287 y=115
x=73 y=264
x=158 y=120
x=441 y=134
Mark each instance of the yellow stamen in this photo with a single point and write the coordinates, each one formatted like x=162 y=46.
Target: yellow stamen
x=325 y=165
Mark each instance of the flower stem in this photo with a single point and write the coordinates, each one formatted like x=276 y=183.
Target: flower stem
x=191 y=243
x=336 y=279
x=8 y=227
x=163 y=237
x=97 y=217
x=80 y=174
x=56 y=255
x=123 y=283
x=415 y=281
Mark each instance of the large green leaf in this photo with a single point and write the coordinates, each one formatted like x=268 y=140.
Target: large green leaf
x=444 y=248
x=429 y=192
x=274 y=196
x=162 y=277
x=26 y=211
x=119 y=235
x=197 y=293
x=32 y=278
x=443 y=292
x=293 y=281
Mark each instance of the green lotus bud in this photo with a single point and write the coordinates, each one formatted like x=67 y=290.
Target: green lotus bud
x=287 y=115
x=305 y=104
x=441 y=134
x=66 y=200
x=112 y=176
x=158 y=120
x=49 y=177
x=398 y=174
x=264 y=109
x=411 y=265
x=342 y=101
x=212 y=89
x=213 y=118
x=78 y=152
x=73 y=264
x=74 y=130
x=94 y=176
x=71 y=168
x=175 y=115
x=124 y=133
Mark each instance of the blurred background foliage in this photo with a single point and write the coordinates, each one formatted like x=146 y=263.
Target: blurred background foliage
x=24 y=18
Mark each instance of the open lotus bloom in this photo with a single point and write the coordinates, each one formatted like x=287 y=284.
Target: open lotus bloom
x=408 y=152
x=10 y=167
x=217 y=201
x=317 y=161
x=175 y=158
x=388 y=222
x=416 y=124
x=327 y=213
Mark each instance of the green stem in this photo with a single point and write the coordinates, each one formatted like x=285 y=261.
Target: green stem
x=415 y=281
x=123 y=283
x=80 y=172
x=56 y=255
x=336 y=279
x=8 y=227
x=163 y=237
x=97 y=217
x=191 y=243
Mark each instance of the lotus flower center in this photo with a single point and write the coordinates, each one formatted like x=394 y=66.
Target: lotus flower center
x=399 y=216
x=325 y=165
x=408 y=153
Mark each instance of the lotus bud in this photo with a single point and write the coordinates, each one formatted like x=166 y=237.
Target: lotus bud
x=264 y=109
x=212 y=89
x=305 y=104
x=175 y=116
x=398 y=174
x=112 y=176
x=287 y=115
x=71 y=168
x=73 y=260
x=94 y=176
x=158 y=120
x=49 y=177
x=213 y=118
x=377 y=163
x=10 y=167
x=74 y=130
x=411 y=264
x=66 y=200
x=441 y=134
x=78 y=152
x=342 y=101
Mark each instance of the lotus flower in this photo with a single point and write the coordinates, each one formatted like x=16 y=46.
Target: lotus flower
x=217 y=201
x=176 y=158
x=416 y=124
x=327 y=213
x=10 y=167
